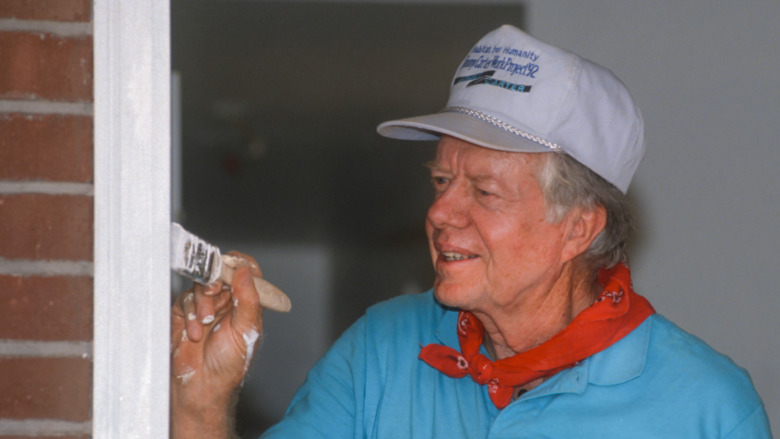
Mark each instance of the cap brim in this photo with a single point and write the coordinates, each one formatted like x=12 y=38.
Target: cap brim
x=461 y=126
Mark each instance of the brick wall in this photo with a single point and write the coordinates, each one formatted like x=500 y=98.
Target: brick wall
x=46 y=218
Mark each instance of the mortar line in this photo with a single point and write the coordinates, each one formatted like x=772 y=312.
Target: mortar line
x=45 y=349
x=45 y=107
x=58 y=28
x=46 y=187
x=27 y=267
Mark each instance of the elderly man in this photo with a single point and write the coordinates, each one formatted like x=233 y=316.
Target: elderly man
x=532 y=328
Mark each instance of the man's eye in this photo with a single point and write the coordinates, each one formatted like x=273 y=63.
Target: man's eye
x=438 y=181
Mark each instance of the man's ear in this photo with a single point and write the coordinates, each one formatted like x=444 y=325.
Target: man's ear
x=584 y=225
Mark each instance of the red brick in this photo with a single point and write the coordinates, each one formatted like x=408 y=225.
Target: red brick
x=52 y=10
x=45 y=388
x=45 y=66
x=37 y=226
x=46 y=308
x=46 y=147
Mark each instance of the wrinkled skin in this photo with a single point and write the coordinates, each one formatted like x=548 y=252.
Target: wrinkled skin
x=494 y=251
x=211 y=344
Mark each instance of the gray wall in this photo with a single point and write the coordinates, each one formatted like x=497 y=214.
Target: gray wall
x=706 y=76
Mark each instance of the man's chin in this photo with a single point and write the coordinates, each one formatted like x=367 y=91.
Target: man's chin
x=451 y=295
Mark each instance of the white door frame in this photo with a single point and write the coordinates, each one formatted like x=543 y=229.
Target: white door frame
x=132 y=218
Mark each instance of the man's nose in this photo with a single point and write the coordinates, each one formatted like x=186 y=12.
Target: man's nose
x=450 y=208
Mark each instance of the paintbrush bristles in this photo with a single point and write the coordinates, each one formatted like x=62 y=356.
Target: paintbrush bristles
x=194 y=257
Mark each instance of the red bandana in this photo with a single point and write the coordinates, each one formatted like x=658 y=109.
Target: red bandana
x=617 y=312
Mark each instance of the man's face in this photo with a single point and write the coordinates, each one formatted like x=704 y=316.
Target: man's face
x=491 y=245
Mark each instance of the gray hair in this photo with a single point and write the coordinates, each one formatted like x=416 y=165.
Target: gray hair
x=566 y=183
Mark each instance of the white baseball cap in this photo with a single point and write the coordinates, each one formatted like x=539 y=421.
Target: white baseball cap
x=513 y=92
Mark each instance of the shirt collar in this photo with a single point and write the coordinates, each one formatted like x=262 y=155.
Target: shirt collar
x=624 y=360
x=621 y=362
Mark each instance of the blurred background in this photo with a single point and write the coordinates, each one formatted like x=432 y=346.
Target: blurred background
x=277 y=105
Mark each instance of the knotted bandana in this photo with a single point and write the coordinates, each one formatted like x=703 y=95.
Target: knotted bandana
x=616 y=312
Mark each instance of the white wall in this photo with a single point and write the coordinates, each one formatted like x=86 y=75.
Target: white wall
x=705 y=74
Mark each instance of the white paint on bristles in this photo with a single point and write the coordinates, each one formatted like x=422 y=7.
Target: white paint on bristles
x=194 y=257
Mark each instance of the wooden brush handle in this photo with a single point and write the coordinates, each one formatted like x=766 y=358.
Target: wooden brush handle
x=270 y=297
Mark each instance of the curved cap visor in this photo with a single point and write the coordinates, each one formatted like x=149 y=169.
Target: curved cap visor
x=461 y=126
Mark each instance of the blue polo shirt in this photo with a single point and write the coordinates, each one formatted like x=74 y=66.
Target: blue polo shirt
x=657 y=382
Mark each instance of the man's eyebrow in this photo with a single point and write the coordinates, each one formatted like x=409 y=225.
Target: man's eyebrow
x=483 y=178
x=433 y=165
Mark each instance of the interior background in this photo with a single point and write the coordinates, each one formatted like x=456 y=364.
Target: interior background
x=280 y=101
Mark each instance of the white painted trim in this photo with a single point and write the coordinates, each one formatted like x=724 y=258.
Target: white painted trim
x=132 y=218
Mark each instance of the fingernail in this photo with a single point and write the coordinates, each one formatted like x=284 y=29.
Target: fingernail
x=210 y=291
x=208 y=319
x=191 y=316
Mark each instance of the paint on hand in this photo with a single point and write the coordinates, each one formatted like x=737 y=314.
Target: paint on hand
x=250 y=338
x=186 y=376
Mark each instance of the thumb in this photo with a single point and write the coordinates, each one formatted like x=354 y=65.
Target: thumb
x=247 y=312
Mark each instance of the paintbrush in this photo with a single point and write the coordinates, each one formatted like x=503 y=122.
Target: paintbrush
x=202 y=262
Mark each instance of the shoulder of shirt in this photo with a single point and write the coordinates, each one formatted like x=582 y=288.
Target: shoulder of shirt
x=689 y=360
x=677 y=346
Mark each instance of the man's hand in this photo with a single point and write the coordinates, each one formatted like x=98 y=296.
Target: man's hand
x=214 y=331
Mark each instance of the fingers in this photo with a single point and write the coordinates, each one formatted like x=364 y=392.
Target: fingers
x=204 y=306
x=198 y=308
x=204 y=299
x=215 y=330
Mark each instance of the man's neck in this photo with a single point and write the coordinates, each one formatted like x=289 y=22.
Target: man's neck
x=541 y=316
